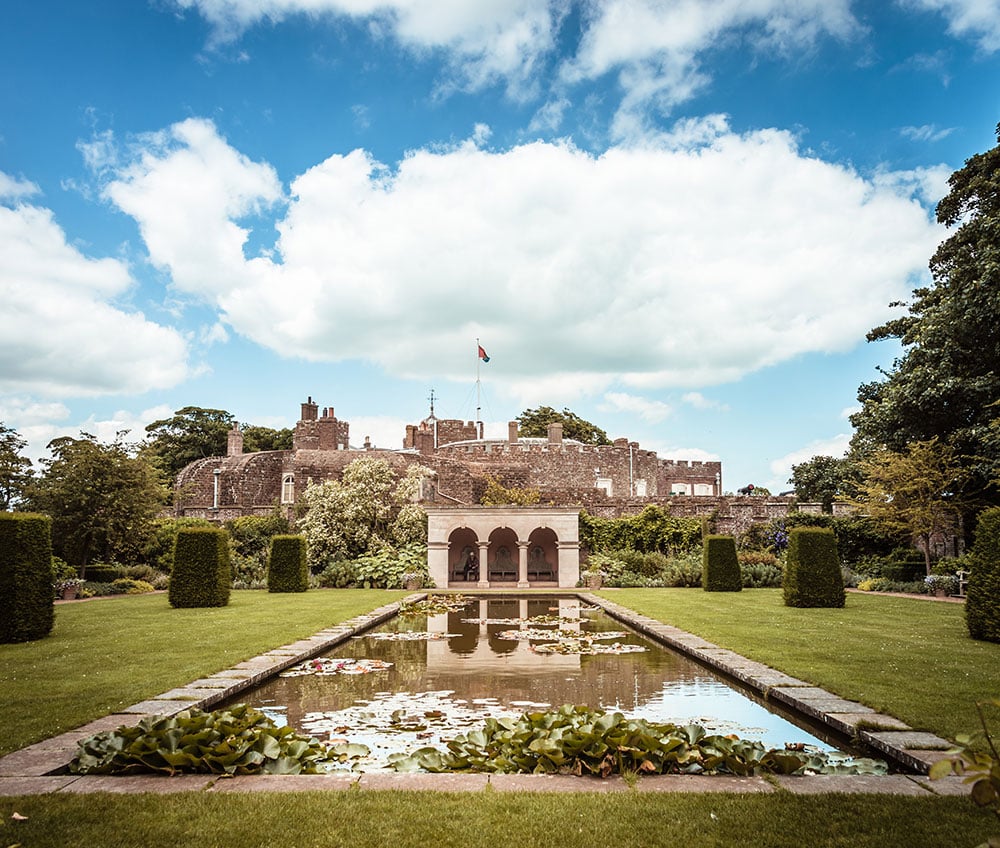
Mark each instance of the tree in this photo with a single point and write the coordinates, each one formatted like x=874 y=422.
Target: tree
x=535 y=422
x=102 y=498
x=916 y=491
x=192 y=433
x=824 y=479
x=15 y=470
x=947 y=381
x=497 y=494
x=368 y=509
x=265 y=438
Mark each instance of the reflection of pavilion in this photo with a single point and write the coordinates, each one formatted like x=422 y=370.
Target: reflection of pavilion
x=522 y=546
x=477 y=648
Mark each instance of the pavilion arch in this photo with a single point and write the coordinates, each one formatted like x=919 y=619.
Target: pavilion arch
x=522 y=546
x=461 y=543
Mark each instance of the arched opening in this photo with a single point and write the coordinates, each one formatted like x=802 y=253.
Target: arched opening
x=543 y=555
x=463 y=555
x=503 y=556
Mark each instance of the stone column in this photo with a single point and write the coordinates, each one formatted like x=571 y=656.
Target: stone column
x=437 y=562
x=568 y=554
x=484 y=574
x=522 y=565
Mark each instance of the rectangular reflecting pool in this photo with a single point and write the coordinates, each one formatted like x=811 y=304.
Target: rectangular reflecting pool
x=418 y=680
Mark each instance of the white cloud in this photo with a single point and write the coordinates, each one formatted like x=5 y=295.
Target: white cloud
x=15 y=189
x=648 y=410
x=657 y=266
x=699 y=401
x=658 y=49
x=131 y=425
x=61 y=332
x=383 y=430
x=215 y=334
x=665 y=450
x=484 y=42
x=926 y=132
x=978 y=20
x=836 y=447
x=39 y=423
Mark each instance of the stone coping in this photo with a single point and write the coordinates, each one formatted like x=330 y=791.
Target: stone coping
x=42 y=768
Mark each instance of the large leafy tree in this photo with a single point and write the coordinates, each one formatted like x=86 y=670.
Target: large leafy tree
x=103 y=499
x=916 y=491
x=257 y=438
x=946 y=383
x=191 y=433
x=824 y=479
x=15 y=470
x=368 y=509
x=535 y=422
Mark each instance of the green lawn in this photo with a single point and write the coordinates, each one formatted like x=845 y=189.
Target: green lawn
x=110 y=653
x=910 y=658
x=486 y=819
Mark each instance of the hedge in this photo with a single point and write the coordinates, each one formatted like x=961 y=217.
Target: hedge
x=201 y=576
x=287 y=568
x=720 y=565
x=982 y=602
x=26 y=594
x=812 y=570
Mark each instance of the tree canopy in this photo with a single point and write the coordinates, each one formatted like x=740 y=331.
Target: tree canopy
x=102 y=498
x=192 y=433
x=946 y=383
x=915 y=491
x=196 y=433
x=15 y=470
x=824 y=479
x=367 y=510
x=535 y=422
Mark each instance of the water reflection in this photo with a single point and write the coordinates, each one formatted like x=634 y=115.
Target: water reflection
x=438 y=687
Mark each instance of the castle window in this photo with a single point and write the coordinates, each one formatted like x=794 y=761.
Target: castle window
x=288 y=489
x=640 y=488
x=604 y=484
x=704 y=489
x=679 y=489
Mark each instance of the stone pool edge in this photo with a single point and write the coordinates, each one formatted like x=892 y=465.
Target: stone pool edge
x=41 y=768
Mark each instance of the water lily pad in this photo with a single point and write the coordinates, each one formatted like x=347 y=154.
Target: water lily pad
x=586 y=647
x=410 y=636
x=326 y=666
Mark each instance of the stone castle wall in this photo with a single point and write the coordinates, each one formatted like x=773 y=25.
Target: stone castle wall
x=566 y=472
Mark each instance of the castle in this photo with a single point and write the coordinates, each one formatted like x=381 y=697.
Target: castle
x=605 y=479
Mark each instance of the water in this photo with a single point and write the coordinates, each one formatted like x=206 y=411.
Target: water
x=437 y=687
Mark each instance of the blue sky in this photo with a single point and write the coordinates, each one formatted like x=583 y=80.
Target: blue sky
x=677 y=219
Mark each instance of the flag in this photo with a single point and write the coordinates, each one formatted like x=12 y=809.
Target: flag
x=482 y=354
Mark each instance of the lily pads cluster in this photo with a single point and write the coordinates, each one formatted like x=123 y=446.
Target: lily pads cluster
x=583 y=741
x=434 y=605
x=241 y=740
x=539 y=620
x=328 y=666
x=531 y=634
x=586 y=646
x=409 y=636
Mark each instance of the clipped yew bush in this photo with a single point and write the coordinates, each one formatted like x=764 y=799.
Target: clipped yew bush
x=812 y=570
x=287 y=568
x=201 y=575
x=720 y=570
x=982 y=603
x=26 y=593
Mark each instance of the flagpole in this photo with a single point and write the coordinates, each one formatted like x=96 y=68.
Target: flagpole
x=478 y=408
